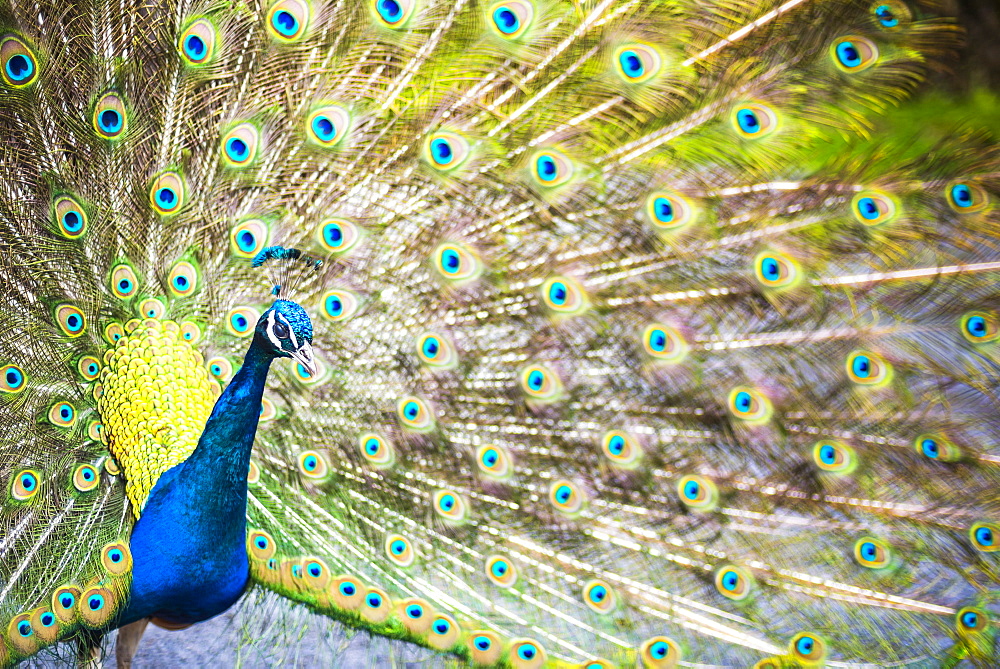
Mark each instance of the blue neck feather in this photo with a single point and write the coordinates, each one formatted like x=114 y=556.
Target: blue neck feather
x=188 y=547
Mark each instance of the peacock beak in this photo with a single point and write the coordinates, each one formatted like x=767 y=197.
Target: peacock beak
x=304 y=356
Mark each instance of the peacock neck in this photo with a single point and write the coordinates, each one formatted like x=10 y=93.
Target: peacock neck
x=223 y=453
x=188 y=545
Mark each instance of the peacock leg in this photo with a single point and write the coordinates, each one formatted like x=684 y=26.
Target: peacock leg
x=128 y=642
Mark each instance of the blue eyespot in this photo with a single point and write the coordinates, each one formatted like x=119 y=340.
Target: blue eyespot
x=692 y=489
x=885 y=16
x=95 y=602
x=482 y=642
x=663 y=210
x=414 y=611
x=72 y=222
x=984 y=536
x=67 y=600
x=285 y=23
x=411 y=410
x=598 y=594
x=659 y=650
x=616 y=446
x=805 y=645
x=310 y=463
x=861 y=366
x=115 y=555
x=390 y=10
x=14 y=378
x=239 y=320
x=315 y=570
x=109 y=121
x=730 y=580
x=536 y=379
x=447 y=502
x=334 y=306
x=961 y=195
x=451 y=262
x=868 y=209
x=398 y=547
x=246 y=241
x=527 y=651
x=563 y=494
x=558 y=293
x=73 y=322
x=237 y=149
x=828 y=454
x=324 y=128
x=373 y=600
x=441 y=626
x=970 y=619
x=194 y=47
x=506 y=21
x=848 y=54
x=441 y=151
x=262 y=542
x=499 y=568
x=929 y=447
x=490 y=457
x=372 y=446
x=546 y=168
x=868 y=550
x=770 y=269
x=348 y=589
x=28 y=481
x=166 y=197
x=24 y=628
x=20 y=67
x=743 y=401
x=631 y=64
x=748 y=121
x=976 y=326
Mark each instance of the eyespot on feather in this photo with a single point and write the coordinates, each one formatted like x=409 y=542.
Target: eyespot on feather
x=239 y=146
x=620 y=448
x=153 y=308
x=659 y=652
x=750 y=405
x=776 y=270
x=415 y=414
x=733 y=582
x=501 y=571
x=71 y=320
x=664 y=343
x=754 y=120
x=873 y=208
x=64 y=603
x=393 y=14
x=347 y=592
x=697 y=492
x=167 y=193
x=526 y=654
x=196 y=44
x=62 y=414
x=835 y=457
x=669 y=212
x=599 y=597
x=287 y=20
x=327 y=126
x=443 y=632
x=541 y=383
x=485 y=646
x=551 y=168
x=110 y=118
x=566 y=497
x=97 y=605
x=853 y=53
x=457 y=263
x=399 y=550
x=416 y=614
x=18 y=63
x=868 y=369
x=966 y=197
x=249 y=238
x=446 y=151
x=313 y=464
x=564 y=296
x=70 y=216
x=376 y=449
x=493 y=461
x=808 y=649
x=985 y=536
x=339 y=305
x=24 y=485
x=261 y=545
x=123 y=282
x=241 y=321
x=85 y=478
x=637 y=63
x=872 y=553
x=509 y=20
x=337 y=235
x=116 y=559
x=377 y=606
x=12 y=379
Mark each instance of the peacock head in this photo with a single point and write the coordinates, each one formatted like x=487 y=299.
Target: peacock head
x=286 y=331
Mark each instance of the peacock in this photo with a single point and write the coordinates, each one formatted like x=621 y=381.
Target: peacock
x=535 y=333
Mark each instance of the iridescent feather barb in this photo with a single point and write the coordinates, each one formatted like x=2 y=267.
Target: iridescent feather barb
x=624 y=333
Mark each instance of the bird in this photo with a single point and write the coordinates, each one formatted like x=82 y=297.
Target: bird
x=604 y=333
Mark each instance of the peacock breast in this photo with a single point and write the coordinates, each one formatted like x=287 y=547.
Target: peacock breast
x=154 y=398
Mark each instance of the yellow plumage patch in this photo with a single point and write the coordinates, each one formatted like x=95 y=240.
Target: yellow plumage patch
x=157 y=397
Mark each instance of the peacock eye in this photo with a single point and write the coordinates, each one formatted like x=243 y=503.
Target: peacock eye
x=280 y=330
